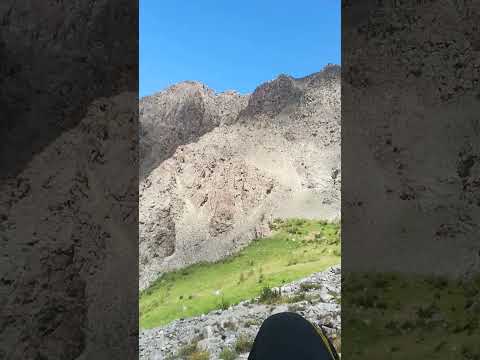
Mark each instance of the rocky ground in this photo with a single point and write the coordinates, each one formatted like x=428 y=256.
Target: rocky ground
x=316 y=297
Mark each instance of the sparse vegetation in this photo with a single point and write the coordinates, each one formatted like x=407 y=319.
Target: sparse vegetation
x=228 y=354
x=187 y=349
x=249 y=323
x=190 y=352
x=309 y=286
x=243 y=344
x=269 y=296
x=297 y=298
x=203 y=287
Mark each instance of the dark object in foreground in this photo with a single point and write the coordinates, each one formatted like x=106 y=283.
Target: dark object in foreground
x=288 y=336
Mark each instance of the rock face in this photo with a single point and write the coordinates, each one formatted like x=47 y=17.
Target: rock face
x=179 y=115
x=220 y=329
x=215 y=169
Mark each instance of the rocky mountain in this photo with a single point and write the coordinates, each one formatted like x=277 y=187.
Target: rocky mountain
x=217 y=168
x=180 y=115
x=316 y=298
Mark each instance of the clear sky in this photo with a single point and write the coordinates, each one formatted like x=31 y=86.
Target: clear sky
x=235 y=45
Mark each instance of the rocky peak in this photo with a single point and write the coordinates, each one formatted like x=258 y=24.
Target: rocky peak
x=272 y=97
x=286 y=92
x=180 y=115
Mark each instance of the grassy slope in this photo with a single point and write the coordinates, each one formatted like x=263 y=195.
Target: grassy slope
x=296 y=249
x=433 y=318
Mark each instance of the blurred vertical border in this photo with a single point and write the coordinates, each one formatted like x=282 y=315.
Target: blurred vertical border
x=411 y=179
x=69 y=179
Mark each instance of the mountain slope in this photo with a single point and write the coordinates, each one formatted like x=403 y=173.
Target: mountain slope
x=235 y=166
x=179 y=115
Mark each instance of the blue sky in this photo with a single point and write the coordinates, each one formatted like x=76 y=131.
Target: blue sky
x=235 y=45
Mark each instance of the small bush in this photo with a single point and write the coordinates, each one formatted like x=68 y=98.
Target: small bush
x=187 y=350
x=228 y=354
x=243 y=344
x=269 y=296
x=309 y=286
x=191 y=352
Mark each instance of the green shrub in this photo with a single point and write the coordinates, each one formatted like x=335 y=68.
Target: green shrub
x=191 y=352
x=269 y=296
x=228 y=354
x=243 y=344
x=309 y=286
x=187 y=350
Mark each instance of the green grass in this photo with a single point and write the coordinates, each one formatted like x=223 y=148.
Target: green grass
x=296 y=249
x=410 y=317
